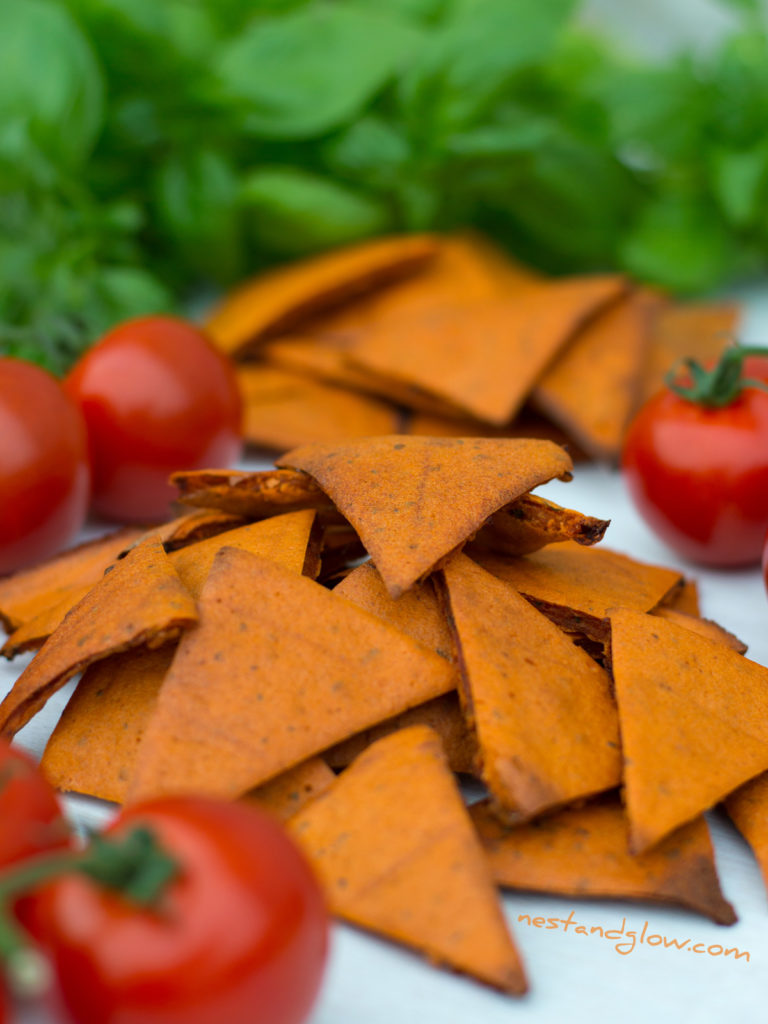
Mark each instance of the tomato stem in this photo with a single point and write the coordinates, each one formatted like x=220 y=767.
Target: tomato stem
x=134 y=864
x=719 y=386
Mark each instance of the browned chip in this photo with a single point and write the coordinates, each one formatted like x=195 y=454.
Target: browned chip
x=583 y=852
x=396 y=853
x=282 y=410
x=700 y=331
x=285 y=795
x=140 y=601
x=279 y=669
x=93 y=748
x=253 y=495
x=531 y=522
x=694 y=722
x=684 y=598
x=594 y=385
x=414 y=500
x=442 y=714
x=284 y=297
x=28 y=592
x=484 y=357
x=282 y=538
x=542 y=709
x=576 y=586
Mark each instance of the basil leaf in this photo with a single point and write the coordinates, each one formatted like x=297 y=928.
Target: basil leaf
x=310 y=71
x=50 y=81
x=294 y=211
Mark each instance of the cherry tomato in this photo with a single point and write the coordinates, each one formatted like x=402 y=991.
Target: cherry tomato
x=699 y=475
x=156 y=397
x=239 y=937
x=765 y=561
x=30 y=817
x=44 y=476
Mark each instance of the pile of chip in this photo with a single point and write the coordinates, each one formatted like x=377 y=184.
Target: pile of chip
x=246 y=651
x=447 y=336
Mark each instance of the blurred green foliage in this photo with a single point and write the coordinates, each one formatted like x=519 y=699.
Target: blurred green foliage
x=151 y=147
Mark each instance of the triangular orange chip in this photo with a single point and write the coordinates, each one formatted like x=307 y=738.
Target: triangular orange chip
x=414 y=500
x=546 y=723
x=694 y=722
x=396 y=853
x=283 y=539
x=582 y=851
x=575 y=586
x=484 y=356
x=285 y=296
x=140 y=601
x=278 y=669
x=594 y=385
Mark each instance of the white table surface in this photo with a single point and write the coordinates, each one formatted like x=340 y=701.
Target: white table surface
x=573 y=978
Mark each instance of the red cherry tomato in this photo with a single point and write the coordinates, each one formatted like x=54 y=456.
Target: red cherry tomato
x=239 y=937
x=157 y=397
x=30 y=817
x=44 y=477
x=765 y=561
x=699 y=475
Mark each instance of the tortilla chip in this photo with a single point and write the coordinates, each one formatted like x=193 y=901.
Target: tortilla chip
x=576 y=586
x=282 y=298
x=287 y=794
x=325 y=357
x=282 y=539
x=32 y=634
x=583 y=852
x=748 y=810
x=704 y=627
x=700 y=331
x=443 y=715
x=531 y=522
x=140 y=601
x=279 y=669
x=593 y=387
x=253 y=495
x=542 y=709
x=282 y=410
x=26 y=593
x=416 y=613
x=93 y=748
x=694 y=722
x=484 y=357
x=466 y=267
x=420 y=879
x=414 y=500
